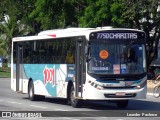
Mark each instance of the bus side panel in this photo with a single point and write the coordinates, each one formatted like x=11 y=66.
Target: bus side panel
x=49 y=79
x=13 y=73
x=23 y=80
x=13 y=76
x=64 y=74
x=43 y=76
x=60 y=81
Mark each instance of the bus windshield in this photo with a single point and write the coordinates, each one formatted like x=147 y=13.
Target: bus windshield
x=112 y=58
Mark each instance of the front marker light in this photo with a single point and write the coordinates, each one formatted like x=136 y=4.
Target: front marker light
x=99 y=87
x=141 y=85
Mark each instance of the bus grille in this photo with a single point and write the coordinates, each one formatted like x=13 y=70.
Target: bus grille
x=115 y=96
x=126 y=87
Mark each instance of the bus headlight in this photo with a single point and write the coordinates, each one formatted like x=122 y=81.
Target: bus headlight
x=95 y=85
x=99 y=87
x=142 y=85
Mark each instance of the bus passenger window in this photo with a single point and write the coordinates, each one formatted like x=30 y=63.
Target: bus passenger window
x=69 y=57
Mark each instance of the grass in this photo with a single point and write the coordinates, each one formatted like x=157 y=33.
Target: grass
x=5 y=72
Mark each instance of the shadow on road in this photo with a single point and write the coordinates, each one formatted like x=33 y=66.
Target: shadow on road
x=104 y=105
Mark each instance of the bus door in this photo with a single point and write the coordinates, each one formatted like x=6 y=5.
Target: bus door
x=80 y=66
x=19 y=68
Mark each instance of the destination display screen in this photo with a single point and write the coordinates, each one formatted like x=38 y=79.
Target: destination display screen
x=131 y=35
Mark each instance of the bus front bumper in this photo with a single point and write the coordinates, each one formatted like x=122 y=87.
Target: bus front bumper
x=92 y=93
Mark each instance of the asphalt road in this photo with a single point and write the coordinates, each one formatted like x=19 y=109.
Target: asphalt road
x=14 y=102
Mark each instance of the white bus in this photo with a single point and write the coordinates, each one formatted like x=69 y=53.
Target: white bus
x=81 y=64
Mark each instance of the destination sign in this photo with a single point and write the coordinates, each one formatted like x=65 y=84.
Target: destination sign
x=117 y=35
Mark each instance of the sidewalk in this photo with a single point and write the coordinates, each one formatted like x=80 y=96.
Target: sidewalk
x=149 y=90
x=150 y=86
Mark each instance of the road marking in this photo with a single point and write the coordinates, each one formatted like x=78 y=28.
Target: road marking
x=67 y=118
x=92 y=115
x=60 y=110
x=13 y=102
x=150 y=94
x=70 y=118
x=38 y=106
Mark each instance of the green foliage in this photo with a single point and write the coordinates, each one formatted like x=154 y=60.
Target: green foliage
x=103 y=13
x=117 y=10
x=5 y=71
x=9 y=29
x=96 y=13
x=51 y=14
x=142 y=14
x=12 y=24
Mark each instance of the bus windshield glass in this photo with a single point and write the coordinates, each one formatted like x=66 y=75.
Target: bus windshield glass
x=112 y=58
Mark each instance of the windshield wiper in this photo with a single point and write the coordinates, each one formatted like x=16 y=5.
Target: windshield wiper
x=89 y=54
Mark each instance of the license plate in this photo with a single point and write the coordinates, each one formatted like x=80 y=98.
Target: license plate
x=120 y=94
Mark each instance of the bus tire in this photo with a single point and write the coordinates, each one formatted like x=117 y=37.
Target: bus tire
x=76 y=103
x=31 y=94
x=122 y=103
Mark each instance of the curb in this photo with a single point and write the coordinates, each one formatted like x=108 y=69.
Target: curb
x=150 y=94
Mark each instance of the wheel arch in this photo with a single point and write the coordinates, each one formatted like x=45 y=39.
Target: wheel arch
x=30 y=80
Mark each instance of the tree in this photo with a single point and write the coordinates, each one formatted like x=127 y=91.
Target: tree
x=143 y=15
x=96 y=13
x=11 y=24
x=50 y=14
x=2 y=49
x=11 y=28
x=138 y=14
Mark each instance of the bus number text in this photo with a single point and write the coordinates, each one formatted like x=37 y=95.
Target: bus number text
x=48 y=74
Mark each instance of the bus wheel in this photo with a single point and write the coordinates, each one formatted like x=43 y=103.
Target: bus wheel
x=122 y=103
x=31 y=94
x=74 y=102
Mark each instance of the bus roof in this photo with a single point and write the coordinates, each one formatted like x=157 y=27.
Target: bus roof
x=68 y=32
